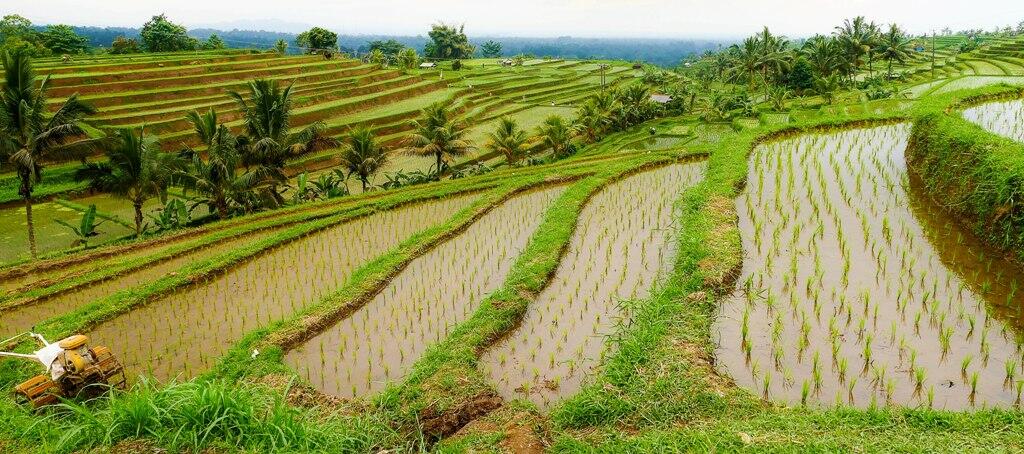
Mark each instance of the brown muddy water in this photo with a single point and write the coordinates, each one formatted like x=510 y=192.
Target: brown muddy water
x=21 y=318
x=184 y=333
x=1003 y=118
x=379 y=343
x=623 y=244
x=855 y=292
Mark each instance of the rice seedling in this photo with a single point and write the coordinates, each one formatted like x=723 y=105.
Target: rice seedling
x=604 y=267
x=420 y=305
x=890 y=296
x=209 y=316
x=1003 y=118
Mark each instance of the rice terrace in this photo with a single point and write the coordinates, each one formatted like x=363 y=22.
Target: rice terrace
x=803 y=235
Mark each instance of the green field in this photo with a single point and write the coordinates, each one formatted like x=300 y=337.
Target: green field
x=834 y=271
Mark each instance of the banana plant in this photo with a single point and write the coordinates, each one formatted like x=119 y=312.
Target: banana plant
x=173 y=216
x=86 y=227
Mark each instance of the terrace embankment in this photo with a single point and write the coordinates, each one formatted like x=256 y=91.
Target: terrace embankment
x=622 y=244
x=844 y=296
x=379 y=342
x=182 y=334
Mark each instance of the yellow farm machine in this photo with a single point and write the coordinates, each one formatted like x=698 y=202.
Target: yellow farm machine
x=73 y=369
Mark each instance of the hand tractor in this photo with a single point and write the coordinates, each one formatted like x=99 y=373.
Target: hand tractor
x=73 y=369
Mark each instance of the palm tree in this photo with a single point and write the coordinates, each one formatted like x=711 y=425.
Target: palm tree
x=893 y=47
x=29 y=137
x=509 y=140
x=439 y=136
x=268 y=141
x=136 y=170
x=363 y=156
x=858 y=39
x=746 y=61
x=217 y=178
x=556 y=134
x=635 y=105
x=774 y=56
x=823 y=54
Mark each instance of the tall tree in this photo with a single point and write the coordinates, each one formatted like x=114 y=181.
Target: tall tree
x=136 y=169
x=362 y=156
x=490 y=49
x=448 y=43
x=217 y=178
x=62 y=39
x=858 y=38
x=317 y=39
x=162 y=35
x=823 y=54
x=268 y=141
x=746 y=61
x=509 y=140
x=29 y=136
x=17 y=34
x=214 y=42
x=390 y=48
x=439 y=135
x=893 y=47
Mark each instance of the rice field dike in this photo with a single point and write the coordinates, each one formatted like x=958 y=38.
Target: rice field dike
x=311 y=252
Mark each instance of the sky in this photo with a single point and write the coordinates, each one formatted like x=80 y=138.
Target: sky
x=536 y=18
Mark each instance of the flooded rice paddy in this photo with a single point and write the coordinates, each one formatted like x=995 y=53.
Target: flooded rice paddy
x=657 y=143
x=22 y=317
x=184 y=333
x=378 y=343
x=847 y=298
x=1003 y=118
x=623 y=243
x=50 y=236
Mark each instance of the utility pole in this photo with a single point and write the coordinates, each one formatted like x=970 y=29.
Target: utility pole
x=603 y=68
x=933 y=54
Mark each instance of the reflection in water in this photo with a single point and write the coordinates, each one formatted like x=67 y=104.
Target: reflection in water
x=844 y=299
x=622 y=244
x=1003 y=118
x=378 y=343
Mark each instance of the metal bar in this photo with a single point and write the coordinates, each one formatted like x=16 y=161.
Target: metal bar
x=18 y=355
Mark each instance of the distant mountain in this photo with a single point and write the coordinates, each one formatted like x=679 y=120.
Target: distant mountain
x=663 y=52
x=274 y=25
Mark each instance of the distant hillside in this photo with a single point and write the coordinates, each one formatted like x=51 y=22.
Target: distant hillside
x=664 y=52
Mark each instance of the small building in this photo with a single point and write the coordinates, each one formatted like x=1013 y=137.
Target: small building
x=507 y=62
x=661 y=99
x=428 y=65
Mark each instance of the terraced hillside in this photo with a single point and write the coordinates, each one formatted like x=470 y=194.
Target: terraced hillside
x=156 y=93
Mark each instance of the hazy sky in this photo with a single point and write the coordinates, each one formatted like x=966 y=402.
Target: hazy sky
x=580 y=18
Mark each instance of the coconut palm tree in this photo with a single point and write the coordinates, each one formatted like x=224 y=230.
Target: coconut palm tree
x=746 y=61
x=509 y=140
x=893 y=47
x=774 y=57
x=858 y=38
x=823 y=53
x=136 y=169
x=268 y=141
x=556 y=134
x=29 y=136
x=217 y=179
x=439 y=136
x=363 y=156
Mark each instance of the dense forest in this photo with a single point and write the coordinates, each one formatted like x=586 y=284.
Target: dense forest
x=662 y=52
